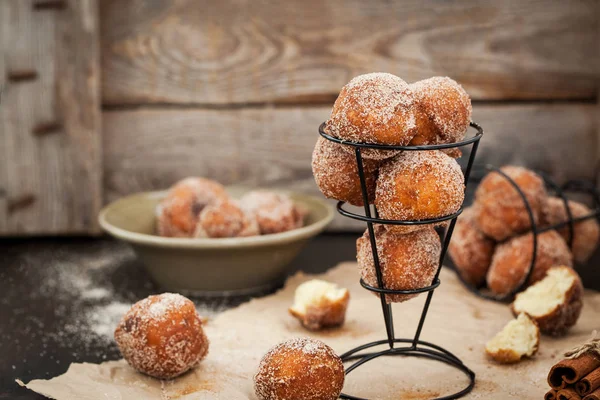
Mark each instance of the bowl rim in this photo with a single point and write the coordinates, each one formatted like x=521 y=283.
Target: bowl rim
x=293 y=235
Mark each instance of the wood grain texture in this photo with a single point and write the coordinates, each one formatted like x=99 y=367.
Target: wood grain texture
x=149 y=149
x=4 y=34
x=50 y=143
x=241 y=51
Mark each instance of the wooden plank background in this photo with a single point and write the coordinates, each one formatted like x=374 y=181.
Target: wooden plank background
x=242 y=51
x=147 y=148
x=235 y=90
x=50 y=147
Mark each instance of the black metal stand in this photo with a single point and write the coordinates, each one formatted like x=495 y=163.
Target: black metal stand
x=574 y=186
x=416 y=347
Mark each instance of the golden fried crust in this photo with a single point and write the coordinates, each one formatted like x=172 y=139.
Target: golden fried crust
x=565 y=315
x=275 y=212
x=501 y=212
x=443 y=111
x=336 y=173
x=470 y=250
x=509 y=356
x=504 y=356
x=407 y=261
x=329 y=314
x=374 y=108
x=512 y=259
x=177 y=214
x=162 y=336
x=419 y=185
x=454 y=153
x=586 y=234
x=299 y=369
x=427 y=131
x=226 y=219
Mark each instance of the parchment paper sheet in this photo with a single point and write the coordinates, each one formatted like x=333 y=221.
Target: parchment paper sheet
x=457 y=320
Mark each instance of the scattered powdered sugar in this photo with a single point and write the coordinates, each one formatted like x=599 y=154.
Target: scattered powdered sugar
x=407 y=261
x=86 y=288
x=96 y=294
x=419 y=185
x=104 y=319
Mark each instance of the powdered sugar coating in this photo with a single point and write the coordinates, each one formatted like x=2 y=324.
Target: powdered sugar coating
x=470 y=250
x=177 y=214
x=419 y=185
x=407 y=261
x=162 y=336
x=586 y=234
x=336 y=173
x=299 y=369
x=512 y=259
x=275 y=212
x=374 y=108
x=501 y=211
x=226 y=219
x=447 y=105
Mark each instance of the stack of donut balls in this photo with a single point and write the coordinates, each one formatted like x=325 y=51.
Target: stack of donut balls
x=197 y=207
x=381 y=108
x=492 y=242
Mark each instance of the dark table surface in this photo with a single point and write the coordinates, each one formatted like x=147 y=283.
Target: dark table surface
x=50 y=289
x=55 y=296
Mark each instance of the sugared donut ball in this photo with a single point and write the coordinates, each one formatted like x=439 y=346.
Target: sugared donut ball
x=470 y=250
x=512 y=259
x=443 y=111
x=162 y=336
x=336 y=173
x=177 y=214
x=586 y=234
x=427 y=134
x=299 y=369
x=419 y=185
x=501 y=211
x=226 y=219
x=374 y=108
x=407 y=261
x=275 y=212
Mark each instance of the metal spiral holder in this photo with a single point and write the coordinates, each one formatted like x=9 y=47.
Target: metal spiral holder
x=413 y=347
x=573 y=186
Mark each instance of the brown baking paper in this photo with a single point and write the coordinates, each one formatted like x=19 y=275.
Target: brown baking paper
x=457 y=321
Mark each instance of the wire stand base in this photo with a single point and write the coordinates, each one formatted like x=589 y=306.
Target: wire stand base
x=422 y=350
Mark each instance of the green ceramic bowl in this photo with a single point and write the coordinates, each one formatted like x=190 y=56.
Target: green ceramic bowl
x=228 y=266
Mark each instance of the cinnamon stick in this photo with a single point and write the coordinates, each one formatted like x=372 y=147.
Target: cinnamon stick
x=551 y=395
x=568 y=394
x=588 y=383
x=595 y=395
x=568 y=371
